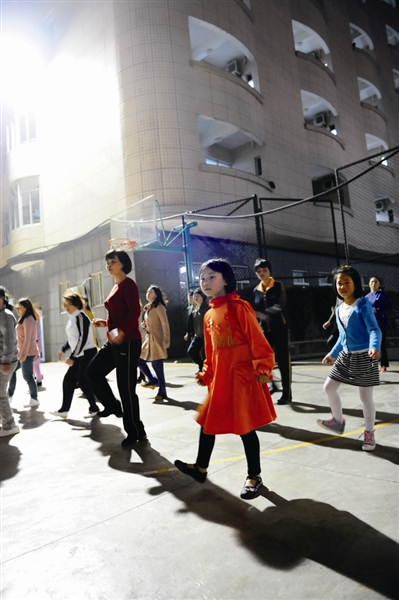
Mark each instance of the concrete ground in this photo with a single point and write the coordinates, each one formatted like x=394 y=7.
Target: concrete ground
x=83 y=518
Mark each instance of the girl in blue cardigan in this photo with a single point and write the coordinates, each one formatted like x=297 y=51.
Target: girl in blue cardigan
x=356 y=352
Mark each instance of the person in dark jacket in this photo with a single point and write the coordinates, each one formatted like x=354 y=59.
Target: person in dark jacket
x=381 y=306
x=196 y=349
x=269 y=304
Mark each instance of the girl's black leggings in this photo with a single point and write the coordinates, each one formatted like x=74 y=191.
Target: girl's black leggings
x=251 y=447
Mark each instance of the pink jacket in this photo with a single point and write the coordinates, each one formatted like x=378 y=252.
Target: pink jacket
x=27 y=337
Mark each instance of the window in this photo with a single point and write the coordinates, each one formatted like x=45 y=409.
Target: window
x=217 y=47
x=10 y=134
x=300 y=277
x=96 y=289
x=224 y=144
x=258 y=166
x=25 y=202
x=392 y=35
x=62 y=289
x=218 y=163
x=376 y=145
x=27 y=128
x=308 y=42
x=6 y=228
x=360 y=39
x=324 y=278
x=391 y=2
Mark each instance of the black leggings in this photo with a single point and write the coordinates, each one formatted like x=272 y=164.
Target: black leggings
x=251 y=447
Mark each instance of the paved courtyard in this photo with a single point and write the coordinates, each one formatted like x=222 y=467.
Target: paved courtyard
x=83 y=518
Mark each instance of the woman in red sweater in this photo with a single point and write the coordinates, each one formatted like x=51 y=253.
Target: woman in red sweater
x=121 y=351
x=27 y=345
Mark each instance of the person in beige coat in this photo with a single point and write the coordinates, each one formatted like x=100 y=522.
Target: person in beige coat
x=157 y=340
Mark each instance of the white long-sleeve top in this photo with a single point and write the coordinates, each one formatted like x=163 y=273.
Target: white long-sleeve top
x=79 y=334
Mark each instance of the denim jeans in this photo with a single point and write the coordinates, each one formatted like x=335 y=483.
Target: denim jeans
x=27 y=374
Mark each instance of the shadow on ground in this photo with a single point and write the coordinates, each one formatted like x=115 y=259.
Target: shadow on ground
x=281 y=536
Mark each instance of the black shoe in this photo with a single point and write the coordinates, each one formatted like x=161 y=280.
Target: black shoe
x=195 y=473
x=249 y=492
x=107 y=413
x=128 y=442
x=284 y=400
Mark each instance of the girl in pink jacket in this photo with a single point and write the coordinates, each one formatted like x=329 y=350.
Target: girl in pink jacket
x=27 y=345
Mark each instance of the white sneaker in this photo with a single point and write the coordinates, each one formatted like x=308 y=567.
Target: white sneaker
x=32 y=402
x=91 y=414
x=5 y=432
x=57 y=413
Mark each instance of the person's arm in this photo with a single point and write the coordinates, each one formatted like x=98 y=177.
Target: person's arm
x=7 y=324
x=280 y=301
x=163 y=317
x=375 y=335
x=82 y=325
x=206 y=375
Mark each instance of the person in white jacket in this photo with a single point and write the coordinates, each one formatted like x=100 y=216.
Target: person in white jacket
x=83 y=349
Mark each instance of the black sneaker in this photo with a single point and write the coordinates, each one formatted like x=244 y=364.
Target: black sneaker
x=250 y=490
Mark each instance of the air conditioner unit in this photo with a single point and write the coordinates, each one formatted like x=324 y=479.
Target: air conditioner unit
x=381 y=204
x=318 y=54
x=320 y=120
x=233 y=68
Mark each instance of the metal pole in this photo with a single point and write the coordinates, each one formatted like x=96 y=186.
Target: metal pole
x=188 y=259
x=260 y=232
x=341 y=206
x=335 y=233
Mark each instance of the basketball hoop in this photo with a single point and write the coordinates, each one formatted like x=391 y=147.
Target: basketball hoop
x=122 y=244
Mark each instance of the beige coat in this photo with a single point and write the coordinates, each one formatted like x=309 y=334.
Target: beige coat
x=157 y=334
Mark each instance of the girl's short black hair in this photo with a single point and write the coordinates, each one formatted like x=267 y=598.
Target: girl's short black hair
x=75 y=299
x=159 y=296
x=123 y=257
x=262 y=263
x=220 y=265
x=353 y=274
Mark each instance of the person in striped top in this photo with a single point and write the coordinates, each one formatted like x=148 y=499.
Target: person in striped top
x=355 y=353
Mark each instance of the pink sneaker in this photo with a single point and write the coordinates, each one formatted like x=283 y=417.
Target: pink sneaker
x=369 y=441
x=333 y=425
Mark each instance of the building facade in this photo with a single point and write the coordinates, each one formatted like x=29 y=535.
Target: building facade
x=199 y=103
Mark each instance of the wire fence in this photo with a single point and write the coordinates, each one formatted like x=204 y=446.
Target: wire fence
x=352 y=217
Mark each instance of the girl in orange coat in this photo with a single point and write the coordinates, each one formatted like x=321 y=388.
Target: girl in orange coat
x=238 y=364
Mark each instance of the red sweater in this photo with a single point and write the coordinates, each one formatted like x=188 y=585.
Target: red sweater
x=123 y=308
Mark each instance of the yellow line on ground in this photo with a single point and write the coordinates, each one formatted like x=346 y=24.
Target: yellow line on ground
x=303 y=444
x=283 y=449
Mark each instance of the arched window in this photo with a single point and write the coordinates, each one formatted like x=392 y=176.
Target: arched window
x=309 y=42
x=214 y=46
x=319 y=111
x=368 y=92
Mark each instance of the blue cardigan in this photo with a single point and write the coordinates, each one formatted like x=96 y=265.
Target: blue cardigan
x=361 y=332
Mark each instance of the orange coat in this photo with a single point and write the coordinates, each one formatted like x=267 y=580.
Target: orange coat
x=236 y=352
